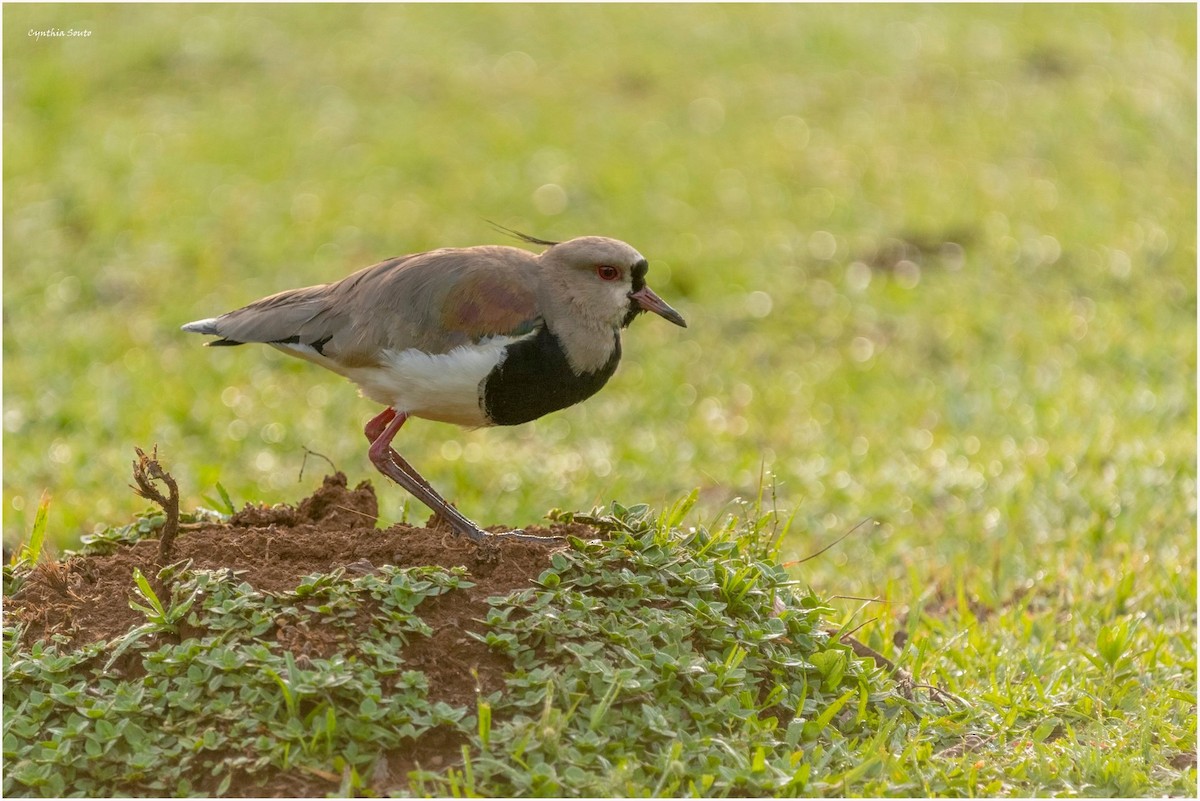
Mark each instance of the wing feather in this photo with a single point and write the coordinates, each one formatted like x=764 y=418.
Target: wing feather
x=432 y=301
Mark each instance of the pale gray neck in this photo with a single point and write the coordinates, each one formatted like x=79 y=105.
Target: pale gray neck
x=587 y=342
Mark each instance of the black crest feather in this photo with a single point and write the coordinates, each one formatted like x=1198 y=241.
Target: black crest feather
x=533 y=240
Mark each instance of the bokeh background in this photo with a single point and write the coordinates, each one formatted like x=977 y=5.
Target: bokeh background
x=939 y=263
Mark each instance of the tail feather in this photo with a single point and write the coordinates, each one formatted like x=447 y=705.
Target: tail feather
x=209 y=326
x=205 y=326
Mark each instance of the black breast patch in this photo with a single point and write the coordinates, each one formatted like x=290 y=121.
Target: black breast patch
x=535 y=379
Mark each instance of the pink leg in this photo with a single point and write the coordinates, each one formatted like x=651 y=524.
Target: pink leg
x=381 y=430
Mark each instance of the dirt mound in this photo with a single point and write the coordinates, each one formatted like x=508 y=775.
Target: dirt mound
x=299 y=651
x=272 y=548
x=85 y=599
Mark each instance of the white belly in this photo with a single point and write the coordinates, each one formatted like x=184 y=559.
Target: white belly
x=444 y=387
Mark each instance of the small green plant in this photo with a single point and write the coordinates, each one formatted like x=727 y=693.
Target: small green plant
x=223 y=504
x=483 y=712
x=1114 y=642
x=27 y=555
x=30 y=552
x=160 y=619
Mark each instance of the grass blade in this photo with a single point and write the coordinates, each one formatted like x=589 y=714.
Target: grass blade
x=31 y=551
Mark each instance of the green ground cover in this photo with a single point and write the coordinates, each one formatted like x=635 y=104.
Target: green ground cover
x=647 y=661
x=939 y=265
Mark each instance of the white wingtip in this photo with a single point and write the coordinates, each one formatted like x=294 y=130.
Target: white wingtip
x=206 y=326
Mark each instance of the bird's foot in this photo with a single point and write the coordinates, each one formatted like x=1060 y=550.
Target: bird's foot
x=519 y=534
x=380 y=430
x=471 y=532
x=493 y=538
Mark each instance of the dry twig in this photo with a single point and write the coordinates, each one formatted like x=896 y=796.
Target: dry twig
x=147 y=470
x=905 y=679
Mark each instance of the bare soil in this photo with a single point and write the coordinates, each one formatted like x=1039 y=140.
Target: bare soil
x=86 y=598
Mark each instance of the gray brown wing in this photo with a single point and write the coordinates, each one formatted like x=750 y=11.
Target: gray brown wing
x=433 y=301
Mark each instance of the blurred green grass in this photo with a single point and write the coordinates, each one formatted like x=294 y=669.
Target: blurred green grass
x=939 y=262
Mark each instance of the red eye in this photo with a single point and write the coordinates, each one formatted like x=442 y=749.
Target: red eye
x=608 y=272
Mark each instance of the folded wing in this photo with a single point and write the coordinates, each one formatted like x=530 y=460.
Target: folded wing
x=433 y=301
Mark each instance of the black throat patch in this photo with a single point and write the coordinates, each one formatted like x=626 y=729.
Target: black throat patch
x=638 y=276
x=535 y=379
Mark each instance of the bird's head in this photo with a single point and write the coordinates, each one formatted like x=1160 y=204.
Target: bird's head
x=603 y=279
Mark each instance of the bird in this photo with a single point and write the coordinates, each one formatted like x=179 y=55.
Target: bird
x=490 y=335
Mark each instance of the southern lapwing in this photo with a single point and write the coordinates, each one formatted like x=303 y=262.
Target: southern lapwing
x=479 y=336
